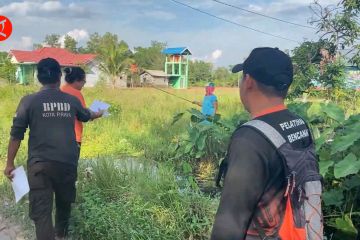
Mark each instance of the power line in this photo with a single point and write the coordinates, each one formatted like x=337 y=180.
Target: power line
x=263 y=15
x=187 y=100
x=235 y=23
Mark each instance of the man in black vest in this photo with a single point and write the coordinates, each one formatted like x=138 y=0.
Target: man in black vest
x=52 y=149
x=255 y=183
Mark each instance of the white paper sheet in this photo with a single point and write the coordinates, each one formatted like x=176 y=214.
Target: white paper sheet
x=20 y=183
x=98 y=106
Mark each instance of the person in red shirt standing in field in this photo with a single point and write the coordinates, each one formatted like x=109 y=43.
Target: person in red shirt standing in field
x=75 y=80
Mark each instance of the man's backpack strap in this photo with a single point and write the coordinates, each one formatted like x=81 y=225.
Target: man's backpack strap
x=277 y=140
x=268 y=131
x=264 y=128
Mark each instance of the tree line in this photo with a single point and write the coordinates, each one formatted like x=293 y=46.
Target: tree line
x=319 y=62
x=322 y=63
x=115 y=57
x=114 y=53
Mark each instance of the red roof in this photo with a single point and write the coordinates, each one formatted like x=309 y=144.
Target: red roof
x=63 y=56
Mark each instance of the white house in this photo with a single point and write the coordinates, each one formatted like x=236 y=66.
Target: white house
x=26 y=62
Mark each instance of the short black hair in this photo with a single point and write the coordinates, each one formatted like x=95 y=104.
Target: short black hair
x=269 y=90
x=272 y=91
x=74 y=74
x=48 y=71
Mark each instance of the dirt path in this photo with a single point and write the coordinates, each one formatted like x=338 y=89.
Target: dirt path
x=9 y=231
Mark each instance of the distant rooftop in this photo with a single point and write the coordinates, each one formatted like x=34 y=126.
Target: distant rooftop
x=156 y=73
x=177 y=51
x=63 y=56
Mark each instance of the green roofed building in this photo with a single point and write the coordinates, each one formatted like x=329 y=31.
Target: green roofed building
x=177 y=66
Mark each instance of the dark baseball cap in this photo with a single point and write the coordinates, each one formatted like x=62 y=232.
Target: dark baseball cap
x=269 y=66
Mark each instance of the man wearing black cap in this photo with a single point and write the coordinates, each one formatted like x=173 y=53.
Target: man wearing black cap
x=252 y=203
x=52 y=149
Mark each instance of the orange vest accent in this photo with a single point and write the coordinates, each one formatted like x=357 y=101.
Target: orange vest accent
x=288 y=230
x=270 y=110
x=76 y=93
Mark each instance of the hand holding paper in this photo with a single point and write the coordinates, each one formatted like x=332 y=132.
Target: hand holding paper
x=98 y=106
x=9 y=171
x=20 y=183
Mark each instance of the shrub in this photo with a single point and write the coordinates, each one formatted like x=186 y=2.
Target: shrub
x=137 y=200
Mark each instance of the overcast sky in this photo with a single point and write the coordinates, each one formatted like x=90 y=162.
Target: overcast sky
x=140 y=21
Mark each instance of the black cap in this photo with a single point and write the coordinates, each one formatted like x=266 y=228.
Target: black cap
x=269 y=66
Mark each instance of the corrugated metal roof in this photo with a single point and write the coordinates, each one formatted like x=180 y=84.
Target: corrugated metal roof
x=178 y=50
x=156 y=73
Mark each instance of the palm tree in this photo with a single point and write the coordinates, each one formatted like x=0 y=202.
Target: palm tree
x=115 y=59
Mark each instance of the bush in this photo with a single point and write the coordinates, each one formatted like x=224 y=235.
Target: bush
x=7 y=69
x=338 y=146
x=207 y=137
x=136 y=200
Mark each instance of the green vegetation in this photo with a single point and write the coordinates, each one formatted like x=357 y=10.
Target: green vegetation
x=70 y=43
x=150 y=57
x=141 y=172
x=134 y=201
x=139 y=201
x=116 y=58
x=7 y=69
x=338 y=147
x=207 y=138
x=142 y=168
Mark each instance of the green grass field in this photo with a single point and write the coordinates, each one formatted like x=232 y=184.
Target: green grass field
x=138 y=190
x=139 y=126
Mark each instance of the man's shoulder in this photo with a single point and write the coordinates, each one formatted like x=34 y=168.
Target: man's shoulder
x=248 y=135
x=243 y=131
x=28 y=99
x=251 y=145
x=290 y=126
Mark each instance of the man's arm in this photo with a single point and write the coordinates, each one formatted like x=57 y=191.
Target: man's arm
x=197 y=103
x=13 y=148
x=95 y=115
x=18 y=129
x=244 y=184
x=216 y=106
x=84 y=114
x=215 y=103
